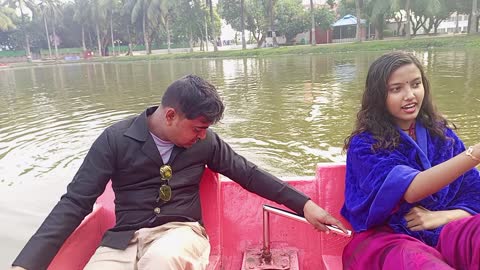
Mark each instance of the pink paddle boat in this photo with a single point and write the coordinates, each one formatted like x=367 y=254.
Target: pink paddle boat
x=246 y=231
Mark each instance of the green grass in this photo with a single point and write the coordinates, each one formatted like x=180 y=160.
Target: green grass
x=419 y=43
x=377 y=45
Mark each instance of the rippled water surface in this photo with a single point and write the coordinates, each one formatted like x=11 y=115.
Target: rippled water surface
x=284 y=113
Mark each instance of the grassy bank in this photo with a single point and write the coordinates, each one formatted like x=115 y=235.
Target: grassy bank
x=450 y=42
x=419 y=43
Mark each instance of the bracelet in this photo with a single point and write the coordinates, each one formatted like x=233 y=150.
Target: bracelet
x=469 y=153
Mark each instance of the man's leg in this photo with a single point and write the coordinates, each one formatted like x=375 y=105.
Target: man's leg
x=459 y=243
x=176 y=246
x=109 y=258
x=380 y=248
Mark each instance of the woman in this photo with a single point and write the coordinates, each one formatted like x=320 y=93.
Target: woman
x=412 y=192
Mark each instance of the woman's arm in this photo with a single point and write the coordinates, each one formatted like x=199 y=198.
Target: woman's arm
x=432 y=180
x=420 y=218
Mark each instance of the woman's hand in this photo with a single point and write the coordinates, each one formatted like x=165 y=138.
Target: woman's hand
x=420 y=218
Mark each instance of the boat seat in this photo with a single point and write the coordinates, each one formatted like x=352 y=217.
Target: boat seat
x=82 y=243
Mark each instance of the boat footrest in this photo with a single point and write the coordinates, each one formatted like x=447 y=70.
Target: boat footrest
x=281 y=259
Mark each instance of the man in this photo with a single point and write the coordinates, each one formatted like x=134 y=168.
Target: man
x=155 y=161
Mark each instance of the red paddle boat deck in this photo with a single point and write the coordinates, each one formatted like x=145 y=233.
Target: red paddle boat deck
x=233 y=219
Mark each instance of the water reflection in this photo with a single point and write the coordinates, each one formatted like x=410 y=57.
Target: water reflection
x=285 y=113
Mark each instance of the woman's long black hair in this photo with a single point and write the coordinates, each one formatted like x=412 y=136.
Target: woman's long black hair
x=374 y=116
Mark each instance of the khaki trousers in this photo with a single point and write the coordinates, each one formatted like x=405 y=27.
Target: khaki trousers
x=172 y=246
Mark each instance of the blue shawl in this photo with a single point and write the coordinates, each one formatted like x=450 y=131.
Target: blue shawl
x=376 y=181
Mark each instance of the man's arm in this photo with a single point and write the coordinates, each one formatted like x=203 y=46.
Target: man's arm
x=88 y=183
x=225 y=161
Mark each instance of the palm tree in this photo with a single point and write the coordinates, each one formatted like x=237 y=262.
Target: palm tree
x=22 y=5
x=81 y=17
x=51 y=9
x=166 y=10
x=6 y=15
x=111 y=9
x=98 y=10
x=140 y=9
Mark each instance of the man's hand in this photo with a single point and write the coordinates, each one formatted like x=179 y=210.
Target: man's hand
x=319 y=217
x=420 y=218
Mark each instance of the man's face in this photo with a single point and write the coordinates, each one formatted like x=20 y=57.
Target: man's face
x=185 y=132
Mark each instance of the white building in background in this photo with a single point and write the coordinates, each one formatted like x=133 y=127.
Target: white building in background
x=228 y=33
x=315 y=2
x=449 y=25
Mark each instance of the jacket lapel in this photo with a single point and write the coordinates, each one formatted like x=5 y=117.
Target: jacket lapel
x=139 y=131
x=176 y=150
x=150 y=149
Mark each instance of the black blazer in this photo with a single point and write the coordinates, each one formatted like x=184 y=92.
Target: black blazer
x=126 y=153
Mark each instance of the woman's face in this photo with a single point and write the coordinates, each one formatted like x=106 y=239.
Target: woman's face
x=405 y=95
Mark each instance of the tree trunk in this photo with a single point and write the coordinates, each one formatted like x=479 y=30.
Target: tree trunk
x=190 y=40
x=84 y=47
x=99 y=42
x=206 y=34
x=260 y=41
x=48 y=36
x=359 y=20
x=27 y=47
x=214 y=34
x=272 y=26
x=130 y=50
x=167 y=26
x=473 y=18
x=55 y=36
x=111 y=32
x=456 y=22
x=27 y=39
x=313 y=40
x=145 y=36
x=242 y=18
x=379 y=27
x=407 y=25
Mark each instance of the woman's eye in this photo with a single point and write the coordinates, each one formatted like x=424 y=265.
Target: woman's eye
x=395 y=90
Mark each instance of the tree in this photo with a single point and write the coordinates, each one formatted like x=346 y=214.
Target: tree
x=256 y=21
x=312 y=32
x=271 y=15
x=6 y=15
x=473 y=18
x=358 y=11
x=81 y=17
x=242 y=23
x=189 y=21
x=407 y=26
x=444 y=10
x=324 y=18
x=139 y=10
x=23 y=6
x=167 y=8
x=346 y=7
x=97 y=13
x=331 y=3
x=51 y=9
x=212 y=22
x=292 y=18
